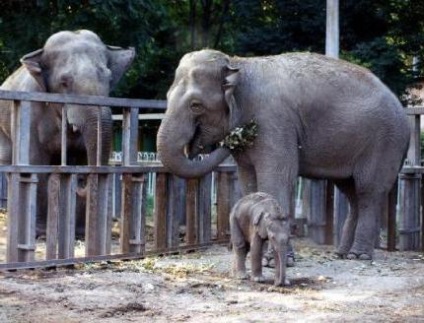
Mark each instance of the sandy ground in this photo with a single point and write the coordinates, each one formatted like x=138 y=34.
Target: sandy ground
x=197 y=287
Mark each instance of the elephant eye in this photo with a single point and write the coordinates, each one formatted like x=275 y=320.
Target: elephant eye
x=196 y=107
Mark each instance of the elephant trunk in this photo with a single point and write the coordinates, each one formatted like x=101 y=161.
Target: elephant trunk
x=173 y=138
x=106 y=138
x=86 y=120
x=280 y=256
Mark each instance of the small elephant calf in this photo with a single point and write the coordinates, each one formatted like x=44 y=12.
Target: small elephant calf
x=255 y=218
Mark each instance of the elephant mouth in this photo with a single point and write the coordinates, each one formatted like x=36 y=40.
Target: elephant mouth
x=194 y=151
x=197 y=147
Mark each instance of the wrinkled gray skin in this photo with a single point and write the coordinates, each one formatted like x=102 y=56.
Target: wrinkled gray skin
x=69 y=63
x=255 y=218
x=318 y=117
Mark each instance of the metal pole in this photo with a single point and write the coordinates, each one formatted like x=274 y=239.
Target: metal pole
x=332 y=30
x=319 y=209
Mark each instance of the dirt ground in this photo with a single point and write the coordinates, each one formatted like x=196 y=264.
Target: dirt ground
x=197 y=287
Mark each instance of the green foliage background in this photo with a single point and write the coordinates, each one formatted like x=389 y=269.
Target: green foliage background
x=383 y=35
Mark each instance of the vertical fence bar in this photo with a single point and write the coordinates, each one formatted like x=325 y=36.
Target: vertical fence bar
x=53 y=215
x=105 y=213
x=129 y=136
x=26 y=233
x=422 y=213
x=22 y=191
x=133 y=238
x=410 y=186
x=22 y=138
x=138 y=228
x=98 y=215
x=175 y=210
x=317 y=214
x=204 y=227
x=61 y=216
x=329 y=213
x=223 y=206
x=160 y=211
x=92 y=239
x=409 y=222
x=3 y=191
x=13 y=254
x=191 y=211
x=126 y=199
x=391 y=218
x=67 y=216
x=131 y=218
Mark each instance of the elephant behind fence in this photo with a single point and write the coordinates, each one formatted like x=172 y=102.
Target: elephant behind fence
x=69 y=63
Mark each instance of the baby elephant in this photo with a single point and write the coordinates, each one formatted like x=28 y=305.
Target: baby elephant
x=255 y=218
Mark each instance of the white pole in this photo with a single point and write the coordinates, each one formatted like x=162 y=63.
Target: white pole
x=332 y=30
x=332 y=50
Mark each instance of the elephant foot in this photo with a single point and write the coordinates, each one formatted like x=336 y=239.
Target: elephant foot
x=258 y=279
x=282 y=284
x=290 y=259
x=343 y=250
x=40 y=232
x=269 y=261
x=80 y=232
x=241 y=276
x=358 y=256
x=341 y=255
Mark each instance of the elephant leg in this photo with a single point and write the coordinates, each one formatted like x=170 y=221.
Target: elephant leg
x=347 y=187
x=80 y=207
x=282 y=187
x=240 y=249
x=80 y=210
x=42 y=193
x=256 y=258
x=247 y=179
x=5 y=149
x=370 y=207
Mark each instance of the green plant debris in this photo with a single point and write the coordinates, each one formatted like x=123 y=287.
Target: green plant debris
x=241 y=138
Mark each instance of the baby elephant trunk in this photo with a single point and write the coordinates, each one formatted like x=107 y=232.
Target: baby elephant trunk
x=280 y=255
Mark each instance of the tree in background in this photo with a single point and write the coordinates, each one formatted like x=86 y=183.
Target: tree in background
x=381 y=35
x=25 y=25
x=276 y=26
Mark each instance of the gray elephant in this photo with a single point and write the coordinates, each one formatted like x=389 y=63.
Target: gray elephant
x=317 y=117
x=255 y=218
x=69 y=63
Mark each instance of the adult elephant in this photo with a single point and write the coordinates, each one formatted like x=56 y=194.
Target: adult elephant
x=317 y=117
x=69 y=63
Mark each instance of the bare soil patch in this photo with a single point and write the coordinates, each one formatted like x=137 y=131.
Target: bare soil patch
x=197 y=287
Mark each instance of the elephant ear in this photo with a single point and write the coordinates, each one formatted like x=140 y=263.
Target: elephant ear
x=231 y=79
x=119 y=59
x=260 y=222
x=32 y=63
x=257 y=217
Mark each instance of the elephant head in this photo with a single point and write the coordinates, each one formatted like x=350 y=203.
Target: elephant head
x=201 y=111
x=79 y=63
x=269 y=223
